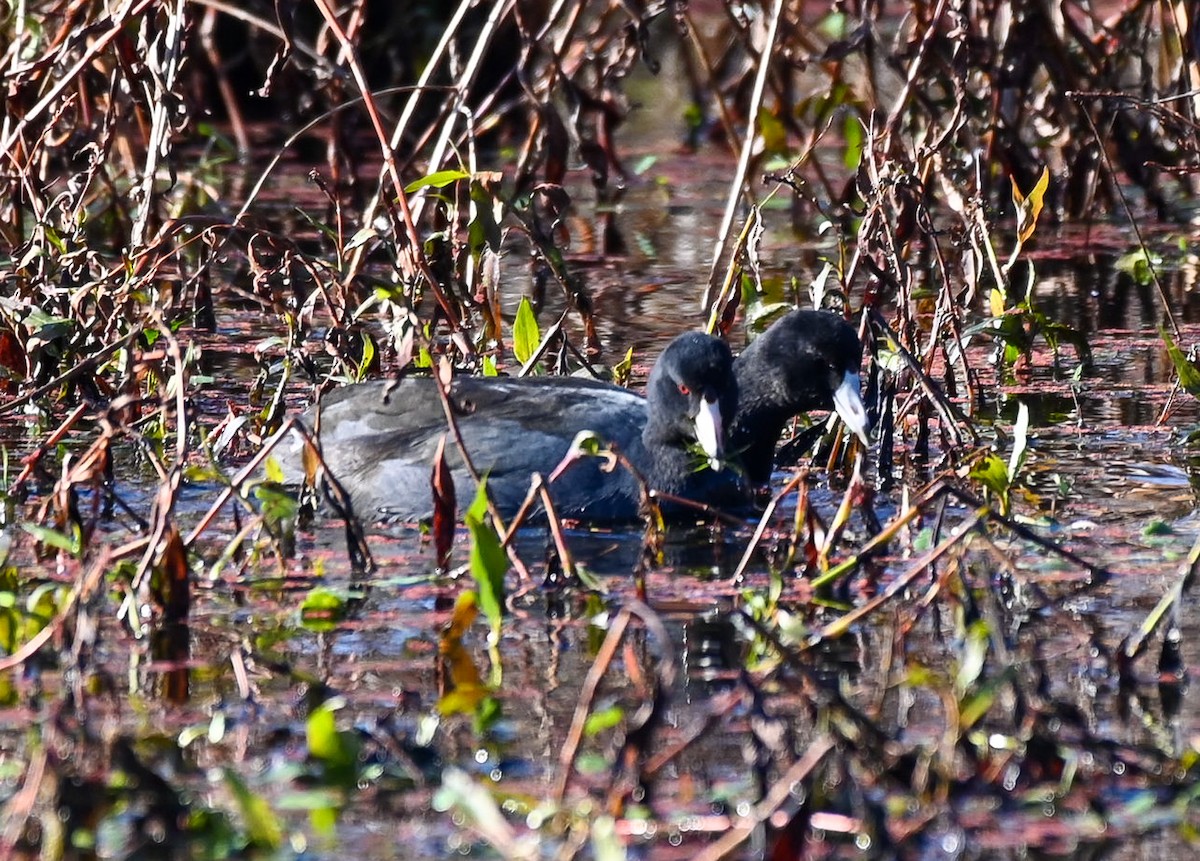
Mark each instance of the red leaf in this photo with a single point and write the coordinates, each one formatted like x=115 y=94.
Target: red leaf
x=444 y=505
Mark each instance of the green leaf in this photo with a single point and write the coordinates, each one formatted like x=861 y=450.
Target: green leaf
x=72 y=543
x=322 y=609
x=973 y=654
x=338 y=751
x=1189 y=375
x=644 y=164
x=607 y=843
x=602 y=720
x=321 y=732
x=277 y=506
x=273 y=470
x=438 y=179
x=772 y=131
x=1138 y=265
x=525 y=332
x=261 y=824
x=852 y=131
x=992 y=473
x=368 y=356
x=488 y=562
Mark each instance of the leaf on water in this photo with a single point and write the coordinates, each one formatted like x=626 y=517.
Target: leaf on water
x=466 y=689
x=1189 y=375
x=488 y=561
x=321 y=609
x=1138 y=265
x=644 y=164
x=525 y=332
x=1030 y=207
x=438 y=179
x=445 y=505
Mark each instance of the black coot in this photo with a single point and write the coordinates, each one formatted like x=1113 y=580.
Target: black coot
x=379 y=438
x=806 y=360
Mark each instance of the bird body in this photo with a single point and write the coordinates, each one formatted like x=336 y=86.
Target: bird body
x=379 y=439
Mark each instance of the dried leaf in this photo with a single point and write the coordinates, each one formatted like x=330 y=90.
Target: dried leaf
x=170 y=586
x=445 y=506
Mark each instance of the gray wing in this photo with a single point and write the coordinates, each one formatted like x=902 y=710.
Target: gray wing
x=380 y=439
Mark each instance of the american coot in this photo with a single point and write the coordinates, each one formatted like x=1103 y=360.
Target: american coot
x=806 y=360
x=379 y=438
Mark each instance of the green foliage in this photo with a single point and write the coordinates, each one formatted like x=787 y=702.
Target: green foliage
x=1185 y=368
x=437 y=179
x=488 y=562
x=526 y=336
x=71 y=543
x=263 y=829
x=323 y=609
x=336 y=750
x=603 y=719
x=999 y=477
x=1139 y=265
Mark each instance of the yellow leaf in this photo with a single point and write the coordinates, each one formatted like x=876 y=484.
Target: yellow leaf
x=465 y=611
x=996 y=302
x=1029 y=207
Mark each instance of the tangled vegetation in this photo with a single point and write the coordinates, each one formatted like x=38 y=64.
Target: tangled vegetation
x=147 y=200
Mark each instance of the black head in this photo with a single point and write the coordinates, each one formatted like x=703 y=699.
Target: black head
x=806 y=360
x=692 y=394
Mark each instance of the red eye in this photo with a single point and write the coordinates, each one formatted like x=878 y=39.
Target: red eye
x=684 y=390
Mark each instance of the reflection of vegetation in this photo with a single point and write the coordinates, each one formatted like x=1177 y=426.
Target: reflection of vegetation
x=129 y=235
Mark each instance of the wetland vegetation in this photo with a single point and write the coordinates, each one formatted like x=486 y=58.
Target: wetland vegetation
x=968 y=639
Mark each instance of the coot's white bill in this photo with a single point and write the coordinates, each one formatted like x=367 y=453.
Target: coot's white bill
x=709 y=432
x=848 y=403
